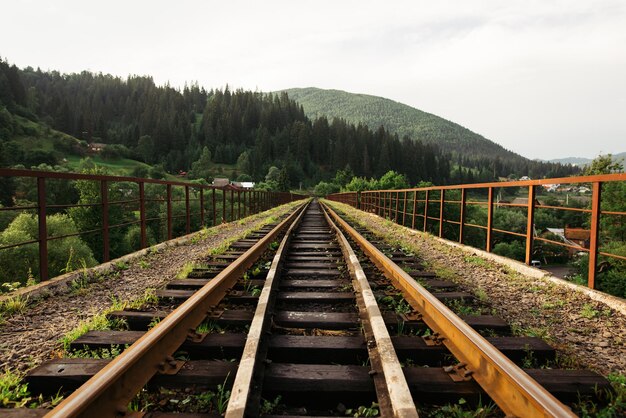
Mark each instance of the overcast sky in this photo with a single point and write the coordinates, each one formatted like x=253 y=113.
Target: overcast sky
x=546 y=79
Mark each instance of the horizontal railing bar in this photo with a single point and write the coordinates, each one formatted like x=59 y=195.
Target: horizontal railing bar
x=19 y=244
x=502 y=231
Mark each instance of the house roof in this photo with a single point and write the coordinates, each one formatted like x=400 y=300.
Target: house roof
x=220 y=182
x=577 y=233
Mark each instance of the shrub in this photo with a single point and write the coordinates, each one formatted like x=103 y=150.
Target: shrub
x=64 y=254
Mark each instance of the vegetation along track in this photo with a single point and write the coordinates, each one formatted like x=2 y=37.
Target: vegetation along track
x=329 y=326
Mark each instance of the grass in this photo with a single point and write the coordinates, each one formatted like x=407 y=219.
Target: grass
x=462 y=410
x=99 y=322
x=14 y=305
x=187 y=268
x=13 y=393
x=588 y=311
x=99 y=353
x=479 y=261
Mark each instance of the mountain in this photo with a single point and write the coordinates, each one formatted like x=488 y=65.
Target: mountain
x=581 y=161
x=399 y=118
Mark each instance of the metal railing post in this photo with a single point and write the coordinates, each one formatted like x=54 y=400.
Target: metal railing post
x=169 y=211
x=404 y=210
x=595 y=231
x=187 y=212
x=462 y=217
x=489 y=220
x=414 y=209
x=142 y=214
x=232 y=205
x=202 y=207
x=238 y=204
x=442 y=198
x=530 y=224
x=104 y=200
x=214 y=209
x=223 y=205
x=426 y=201
x=395 y=218
x=43 y=228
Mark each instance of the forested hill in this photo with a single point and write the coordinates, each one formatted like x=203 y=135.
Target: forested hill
x=398 y=118
x=194 y=130
x=202 y=131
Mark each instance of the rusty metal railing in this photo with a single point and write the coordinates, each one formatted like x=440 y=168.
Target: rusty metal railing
x=430 y=210
x=235 y=203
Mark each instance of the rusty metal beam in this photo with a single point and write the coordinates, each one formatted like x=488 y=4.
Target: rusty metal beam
x=595 y=233
x=508 y=385
x=530 y=224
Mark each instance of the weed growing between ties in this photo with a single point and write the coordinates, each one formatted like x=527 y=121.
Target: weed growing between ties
x=463 y=409
x=364 y=411
x=181 y=401
x=15 y=394
x=100 y=322
x=99 y=353
x=615 y=401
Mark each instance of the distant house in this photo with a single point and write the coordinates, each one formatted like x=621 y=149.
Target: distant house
x=95 y=147
x=580 y=236
x=247 y=185
x=575 y=246
x=220 y=182
x=551 y=187
x=524 y=178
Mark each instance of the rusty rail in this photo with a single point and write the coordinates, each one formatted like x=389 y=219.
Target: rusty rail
x=109 y=391
x=257 y=201
x=507 y=384
x=429 y=204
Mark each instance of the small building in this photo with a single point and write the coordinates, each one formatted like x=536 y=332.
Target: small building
x=580 y=236
x=220 y=182
x=95 y=147
x=246 y=185
x=525 y=178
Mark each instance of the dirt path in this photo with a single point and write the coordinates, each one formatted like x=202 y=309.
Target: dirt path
x=585 y=332
x=30 y=338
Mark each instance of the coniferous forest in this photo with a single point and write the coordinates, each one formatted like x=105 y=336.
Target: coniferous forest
x=174 y=128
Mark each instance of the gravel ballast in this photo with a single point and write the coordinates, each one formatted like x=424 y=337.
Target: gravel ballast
x=29 y=338
x=587 y=328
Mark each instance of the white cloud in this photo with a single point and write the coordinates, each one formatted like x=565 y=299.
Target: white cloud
x=543 y=78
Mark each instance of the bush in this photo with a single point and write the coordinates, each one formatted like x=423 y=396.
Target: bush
x=64 y=255
x=132 y=238
x=514 y=250
x=324 y=189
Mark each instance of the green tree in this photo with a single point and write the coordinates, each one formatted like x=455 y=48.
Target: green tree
x=88 y=218
x=273 y=174
x=324 y=189
x=64 y=255
x=393 y=180
x=243 y=162
x=603 y=164
x=201 y=169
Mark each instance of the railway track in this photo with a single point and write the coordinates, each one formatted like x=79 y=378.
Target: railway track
x=307 y=317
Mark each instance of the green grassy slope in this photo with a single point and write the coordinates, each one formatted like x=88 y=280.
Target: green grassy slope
x=33 y=137
x=399 y=118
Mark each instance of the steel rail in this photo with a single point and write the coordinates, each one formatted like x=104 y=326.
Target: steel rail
x=108 y=392
x=508 y=385
x=242 y=386
x=396 y=386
